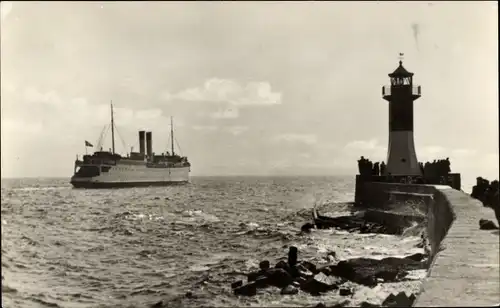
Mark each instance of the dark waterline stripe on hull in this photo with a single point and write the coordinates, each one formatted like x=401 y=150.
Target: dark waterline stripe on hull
x=97 y=185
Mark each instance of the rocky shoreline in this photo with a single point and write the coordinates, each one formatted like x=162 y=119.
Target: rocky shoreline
x=294 y=275
x=336 y=278
x=342 y=276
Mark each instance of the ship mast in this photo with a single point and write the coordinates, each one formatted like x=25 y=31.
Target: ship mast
x=172 y=134
x=112 y=130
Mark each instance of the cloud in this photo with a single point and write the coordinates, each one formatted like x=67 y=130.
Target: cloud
x=228 y=95
x=149 y=114
x=21 y=127
x=47 y=118
x=463 y=152
x=76 y=115
x=303 y=138
x=329 y=146
x=236 y=130
x=431 y=152
x=248 y=162
x=362 y=145
x=166 y=96
x=229 y=113
x=32 y=95
x=281 y=163
x=370 y=149
x=205 y=127
x=55 y=111
x=228 y=91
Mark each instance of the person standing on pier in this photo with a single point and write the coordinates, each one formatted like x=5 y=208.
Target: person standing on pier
x=376 y=169
x=361 y=163
x=447 y=165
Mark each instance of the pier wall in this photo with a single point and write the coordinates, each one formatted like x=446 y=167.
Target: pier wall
x=465 y=260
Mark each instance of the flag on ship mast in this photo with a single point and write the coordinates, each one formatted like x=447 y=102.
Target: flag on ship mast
x=88 y=144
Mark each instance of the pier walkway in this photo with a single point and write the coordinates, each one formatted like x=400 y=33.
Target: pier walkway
x=466 y=272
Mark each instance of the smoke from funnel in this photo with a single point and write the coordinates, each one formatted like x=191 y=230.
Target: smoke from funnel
x=415 y=28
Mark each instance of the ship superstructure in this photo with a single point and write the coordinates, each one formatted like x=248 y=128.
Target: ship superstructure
x=107 y=169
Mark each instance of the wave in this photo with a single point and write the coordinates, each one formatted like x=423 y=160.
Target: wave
x=121 y=248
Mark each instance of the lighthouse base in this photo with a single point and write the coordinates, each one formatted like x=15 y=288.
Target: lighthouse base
x=401 y=155
x=365 y=193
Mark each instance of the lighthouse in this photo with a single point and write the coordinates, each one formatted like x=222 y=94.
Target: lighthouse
x=401 y=156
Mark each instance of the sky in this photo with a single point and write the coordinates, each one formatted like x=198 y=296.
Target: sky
x=255 y=88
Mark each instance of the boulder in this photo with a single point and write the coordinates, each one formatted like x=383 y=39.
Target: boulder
x=299 y=280
x=289 y=290
x=365 y=271
x=307 y=227
x=249 y=289
x=343 y=303
x=292 y=256
x=278 y=277
x=390 y=222
x=157 y=305
x=368 y=305
x=253 y=275
x=308 y=266
x=354 y=224
x=236 y=284
x=331 y=255
x=327 y=269
x=420 y=244
x=302 y=271
x=485 y=224
x=345 y=291
x=391 y=276
x=264 y=265
x=416 y=257
x=262 y=282
x=304 y=274
x=399 y=300
x=320 y=283
x=341 y=222
x=282 y=264
x=371 y=221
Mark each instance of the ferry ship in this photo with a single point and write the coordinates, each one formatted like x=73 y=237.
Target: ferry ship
x=107 y=169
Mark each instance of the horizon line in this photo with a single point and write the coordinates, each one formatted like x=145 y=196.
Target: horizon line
x=192 y=176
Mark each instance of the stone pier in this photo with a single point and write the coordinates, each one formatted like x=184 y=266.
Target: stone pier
x=465 y=260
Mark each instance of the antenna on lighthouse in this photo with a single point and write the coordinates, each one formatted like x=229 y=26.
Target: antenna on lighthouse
x=401 y=57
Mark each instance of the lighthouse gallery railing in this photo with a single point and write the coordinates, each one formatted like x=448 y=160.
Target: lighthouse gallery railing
x=415 y=90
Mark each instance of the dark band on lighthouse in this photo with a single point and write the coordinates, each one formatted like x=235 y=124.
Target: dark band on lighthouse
x=400 y=116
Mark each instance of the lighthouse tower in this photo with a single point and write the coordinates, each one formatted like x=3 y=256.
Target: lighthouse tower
x=401 y=156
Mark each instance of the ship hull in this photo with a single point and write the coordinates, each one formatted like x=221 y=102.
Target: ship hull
x=108 y=185
x=124 y=176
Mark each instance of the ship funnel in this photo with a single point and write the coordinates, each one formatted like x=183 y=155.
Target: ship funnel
x=142 y=147
x=149 y=144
